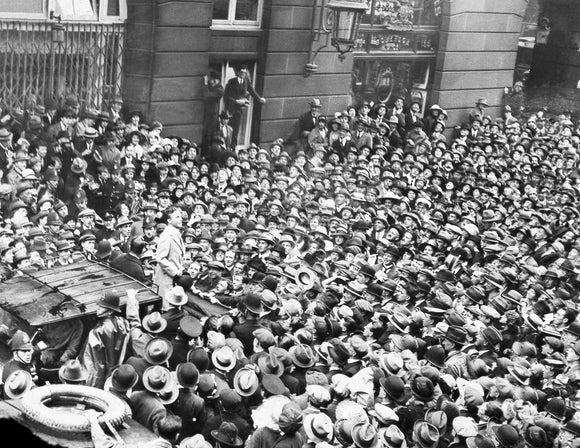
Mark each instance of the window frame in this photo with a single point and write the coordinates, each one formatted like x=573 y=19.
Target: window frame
x=46 y=7
x=226 y=68
x=230 y=22
x=50 y=5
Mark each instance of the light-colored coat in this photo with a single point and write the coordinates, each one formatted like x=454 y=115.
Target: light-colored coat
x=169 y=257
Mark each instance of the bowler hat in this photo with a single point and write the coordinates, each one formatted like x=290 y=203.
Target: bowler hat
x=124 y=378
x=227 y=435
x=110 y=300
x=187 y=374
x=394 y=388
x=253 y=303
x=506 y=435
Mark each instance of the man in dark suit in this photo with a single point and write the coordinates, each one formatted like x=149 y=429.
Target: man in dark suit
x=361 y=137
x=237 y=98
x=213 y=93
x=307 y=122
x=130 y=263
x=244 y=331
x=224 y=130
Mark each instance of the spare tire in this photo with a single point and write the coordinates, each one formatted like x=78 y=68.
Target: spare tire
x=36 y=405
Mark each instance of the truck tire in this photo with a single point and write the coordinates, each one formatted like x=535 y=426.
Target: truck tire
x=37 y=404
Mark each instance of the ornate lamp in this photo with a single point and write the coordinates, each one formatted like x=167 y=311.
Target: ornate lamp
x=340 y=21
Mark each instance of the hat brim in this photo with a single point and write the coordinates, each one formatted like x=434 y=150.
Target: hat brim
x=109 y=307
x=173 y=394
x=148 y=329
x=147 y=384
x=217 y=436
x=220 y=366
x=169 y=352
x=112 y=382
x=11 y=394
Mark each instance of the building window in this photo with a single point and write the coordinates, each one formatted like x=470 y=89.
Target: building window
x=68 y=10
x=226 y=71
x=237 y=13
x=383 y=80
x=32 y=9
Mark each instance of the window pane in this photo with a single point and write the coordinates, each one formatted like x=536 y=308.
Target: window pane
x=76 y=8
x=24 y=6
x=113 y=8
x=220 y=9
x=247 y=10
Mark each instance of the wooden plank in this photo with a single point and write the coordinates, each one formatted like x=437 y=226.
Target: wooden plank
x=72 y=273
x=21 y=296
x=67 y=292
x=56 y=269
x=70 y=311
x=39 y=311
x=83 y=283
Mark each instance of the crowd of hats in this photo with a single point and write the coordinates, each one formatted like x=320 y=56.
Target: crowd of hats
x=416 y=294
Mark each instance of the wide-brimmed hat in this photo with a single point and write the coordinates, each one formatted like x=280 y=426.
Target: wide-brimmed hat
x=506 y=435
x=170 y=394
x=318 y=427
x=78 y=166
x=302 y=356
x=157 y=379
x=394 y=388
x=72 y=372
x=392 y=363
x=223 y=358
x=227 y=434
x=270 y=365
x=176 y=296
x=17 y=384
x=456 y=334
x=154 y=323
x=364 y=435
x=246 y=381
x=158 y=351
x=392 y=437
x=425 y=435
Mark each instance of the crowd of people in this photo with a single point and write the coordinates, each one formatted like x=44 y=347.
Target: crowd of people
x=382 y=285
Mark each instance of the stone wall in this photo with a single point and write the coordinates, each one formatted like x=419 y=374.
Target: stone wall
x=477 y=54
x=166 y=57
x=285 y=87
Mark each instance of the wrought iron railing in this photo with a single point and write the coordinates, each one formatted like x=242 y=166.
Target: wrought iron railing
x=39 y=60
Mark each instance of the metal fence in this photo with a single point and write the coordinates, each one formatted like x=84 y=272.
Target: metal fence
x=44 y=59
